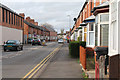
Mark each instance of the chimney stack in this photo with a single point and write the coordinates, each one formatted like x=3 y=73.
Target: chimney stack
x=32 y=21
x=28 y=19
x=22 y=15
x=36 y=23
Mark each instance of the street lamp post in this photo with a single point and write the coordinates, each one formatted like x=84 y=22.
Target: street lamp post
x=69 y=24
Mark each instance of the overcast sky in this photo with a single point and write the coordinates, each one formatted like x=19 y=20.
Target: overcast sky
x=54 y=12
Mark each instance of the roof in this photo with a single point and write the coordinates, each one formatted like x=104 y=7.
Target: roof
x=90 y=18
x=49 y=28
x=5 y=7
x=83 y=24
x=103 y=5
x=34 y=26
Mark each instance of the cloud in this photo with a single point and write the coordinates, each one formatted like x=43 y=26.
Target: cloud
x=54 y=13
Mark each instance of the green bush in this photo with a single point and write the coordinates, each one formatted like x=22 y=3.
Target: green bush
x=83 y=44
x=74 y=48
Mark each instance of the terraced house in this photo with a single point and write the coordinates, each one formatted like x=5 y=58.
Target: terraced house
x=32 y=30
x=99 y=27
x=11 y=25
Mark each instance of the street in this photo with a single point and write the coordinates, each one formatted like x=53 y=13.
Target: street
x=16 y=64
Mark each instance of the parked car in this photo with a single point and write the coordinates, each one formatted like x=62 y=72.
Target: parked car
x=30 y=41
x=60 y=41
x=36 y=41
x=13 y=45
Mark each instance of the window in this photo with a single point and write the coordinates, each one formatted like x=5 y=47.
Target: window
x=104 y=17
x=114 y=37
x=96 y=35
x=91 y=38
x=100 y=1
x=94 y=3
x=90 y=34
x=12 y=18
x=16 y=20
x=3 y=15
x=21 y=22
x=6 y=17
x=9 y=17
x=104 y=32
x=91 y=27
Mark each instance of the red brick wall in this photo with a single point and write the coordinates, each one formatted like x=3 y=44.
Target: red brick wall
x=7 y=24
x=83 y=57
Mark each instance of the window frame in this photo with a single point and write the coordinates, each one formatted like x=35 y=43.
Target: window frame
x=88 y=35
x=98 y=25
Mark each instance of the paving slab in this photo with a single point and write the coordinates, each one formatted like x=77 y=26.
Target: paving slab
x=62 y=66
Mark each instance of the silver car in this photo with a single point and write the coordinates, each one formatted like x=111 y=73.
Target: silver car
x=60 y=41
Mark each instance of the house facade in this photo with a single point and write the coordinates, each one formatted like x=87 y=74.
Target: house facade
x=93 y=23
x=114 y=39
x=11 y=25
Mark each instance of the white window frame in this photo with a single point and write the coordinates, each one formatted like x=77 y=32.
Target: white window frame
x=99 y=23
x=82 y=33
x=88 y=37
x=113 y=18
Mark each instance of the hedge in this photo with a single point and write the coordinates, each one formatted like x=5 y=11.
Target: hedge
x=74 y=48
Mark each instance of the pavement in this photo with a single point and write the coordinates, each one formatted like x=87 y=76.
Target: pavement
x=62 y=66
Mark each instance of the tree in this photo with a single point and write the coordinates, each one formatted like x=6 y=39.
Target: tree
x=62 y=33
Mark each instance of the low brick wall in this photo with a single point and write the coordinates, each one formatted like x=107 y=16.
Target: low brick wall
x=83 y=56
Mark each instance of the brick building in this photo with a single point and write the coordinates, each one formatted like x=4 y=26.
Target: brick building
x=52 y=33
x=93 y=23
x=11 y=25
x=32 y=30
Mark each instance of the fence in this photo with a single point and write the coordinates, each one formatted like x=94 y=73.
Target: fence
x=83 y=56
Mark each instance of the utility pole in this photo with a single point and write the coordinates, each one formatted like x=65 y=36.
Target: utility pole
x=69 y=24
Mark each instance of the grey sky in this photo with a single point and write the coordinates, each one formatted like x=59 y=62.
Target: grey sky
x=54 y=13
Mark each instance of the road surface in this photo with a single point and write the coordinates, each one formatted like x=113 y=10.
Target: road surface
x=16 y=64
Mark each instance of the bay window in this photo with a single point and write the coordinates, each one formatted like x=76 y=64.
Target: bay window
x=102 y=29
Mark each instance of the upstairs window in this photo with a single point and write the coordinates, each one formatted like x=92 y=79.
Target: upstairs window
x=104 y=17
x=6 y=17
x=21 y=22
x=9 y=17
x=12 y=18
x=3 y=16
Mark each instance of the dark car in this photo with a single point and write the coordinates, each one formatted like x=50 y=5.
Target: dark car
x=13 y=45
x=30 y=41
x=36 y=41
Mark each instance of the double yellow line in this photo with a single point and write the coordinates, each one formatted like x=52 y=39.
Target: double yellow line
x=38 y=66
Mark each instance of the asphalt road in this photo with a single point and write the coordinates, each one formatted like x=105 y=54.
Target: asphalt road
x=16 y=64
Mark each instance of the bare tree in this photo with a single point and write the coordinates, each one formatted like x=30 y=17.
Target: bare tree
x=62 y=33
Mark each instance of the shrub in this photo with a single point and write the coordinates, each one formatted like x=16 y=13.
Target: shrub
x=83 y=44
x=74 y=48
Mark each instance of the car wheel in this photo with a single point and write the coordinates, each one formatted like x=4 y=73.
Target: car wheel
x=22 y=48
x=17 y=48
x=5 y=50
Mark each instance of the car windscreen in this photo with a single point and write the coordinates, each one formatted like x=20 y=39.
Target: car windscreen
x=11 y=42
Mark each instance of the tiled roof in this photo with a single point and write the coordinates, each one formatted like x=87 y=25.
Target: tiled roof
x=34 y=26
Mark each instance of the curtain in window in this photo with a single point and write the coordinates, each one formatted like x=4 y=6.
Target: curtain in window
x=104 y=33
